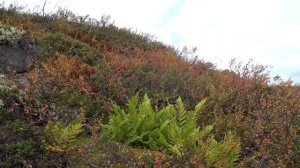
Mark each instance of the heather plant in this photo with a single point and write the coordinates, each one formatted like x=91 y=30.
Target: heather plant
x=163 y=75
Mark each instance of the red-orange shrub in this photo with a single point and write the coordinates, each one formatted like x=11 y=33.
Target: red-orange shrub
x=263 y=115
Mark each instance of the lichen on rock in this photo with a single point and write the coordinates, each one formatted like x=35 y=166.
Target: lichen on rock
x=18 y=50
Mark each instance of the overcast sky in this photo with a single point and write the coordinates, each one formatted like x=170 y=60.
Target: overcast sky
x=266 y=30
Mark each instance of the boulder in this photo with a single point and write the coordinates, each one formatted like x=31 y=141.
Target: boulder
x=20 y=56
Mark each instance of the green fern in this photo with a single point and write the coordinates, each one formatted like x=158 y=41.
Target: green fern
x=223 y=154
x=60 y=135
x=205 y=131
x=180 y=113
x=187 y=127
x=172 y=128
x=199 y=106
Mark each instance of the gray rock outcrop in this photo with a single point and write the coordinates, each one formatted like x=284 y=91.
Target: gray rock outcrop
x=19 y=57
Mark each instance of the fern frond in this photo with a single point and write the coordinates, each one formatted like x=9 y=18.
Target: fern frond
x=145 y=107
x=133 y=103
x=72 y=130
x=223 y=154
x=199 y=106
x=173 y=129
x=205 y=131
x=63 y=135
x=180 y=113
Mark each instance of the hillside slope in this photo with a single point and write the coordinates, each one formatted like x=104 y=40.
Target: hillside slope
x=53 y=115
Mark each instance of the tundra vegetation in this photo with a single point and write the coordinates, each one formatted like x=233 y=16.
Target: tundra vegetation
x=82 y=105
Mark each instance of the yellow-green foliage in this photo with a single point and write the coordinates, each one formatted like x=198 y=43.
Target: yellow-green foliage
x=172 y=128
x=223 y=154
x=60 y=135
x=182 y=133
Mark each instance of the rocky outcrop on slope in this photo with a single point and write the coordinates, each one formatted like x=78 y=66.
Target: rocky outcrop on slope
x=20 y=56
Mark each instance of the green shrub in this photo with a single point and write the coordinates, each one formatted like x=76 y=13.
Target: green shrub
x=7 y=95
x=18 y=126
x=16 y=152
x=17 y=143
x=172 y=128
x=53 y=43
x=10 y=35
x=72 y=96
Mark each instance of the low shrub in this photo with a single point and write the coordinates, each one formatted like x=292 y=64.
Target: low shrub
x=164 y=76
x=17 y=141
x=16 y=152
x=264 y=115
x=59 y=42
